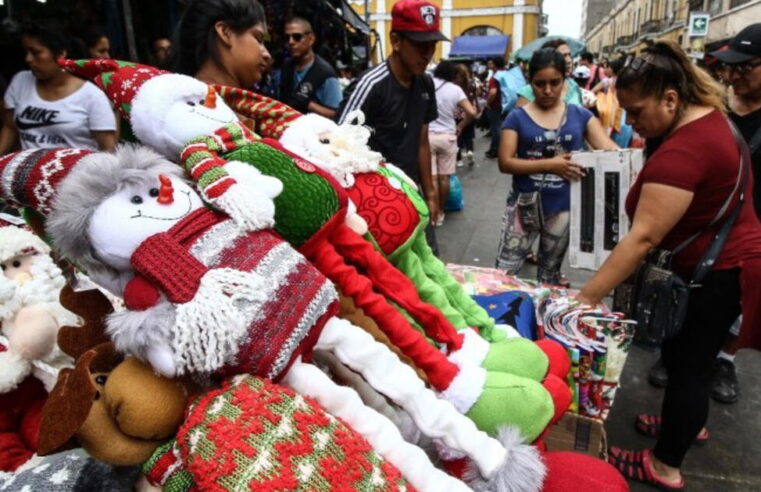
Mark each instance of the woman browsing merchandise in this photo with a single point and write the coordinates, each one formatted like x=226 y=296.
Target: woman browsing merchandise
x=679 y=193
x=535 y=145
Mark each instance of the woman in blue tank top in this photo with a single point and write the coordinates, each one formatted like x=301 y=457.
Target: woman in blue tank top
x=534 y=149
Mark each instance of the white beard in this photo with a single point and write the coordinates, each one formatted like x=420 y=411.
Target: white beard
x=342 y=160
x=43 y=288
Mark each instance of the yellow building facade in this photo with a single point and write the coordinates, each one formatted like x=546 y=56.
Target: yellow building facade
x=521 y=19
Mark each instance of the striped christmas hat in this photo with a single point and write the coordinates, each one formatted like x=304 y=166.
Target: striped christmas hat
x=30 y=178
x=271 y=117
x=120 y=80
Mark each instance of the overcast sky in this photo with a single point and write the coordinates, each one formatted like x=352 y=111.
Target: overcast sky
x=564 y=17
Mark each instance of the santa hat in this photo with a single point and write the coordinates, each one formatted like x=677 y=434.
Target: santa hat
x=120 y=80
x=272 y=117
x=16 y=239
x=143 y=95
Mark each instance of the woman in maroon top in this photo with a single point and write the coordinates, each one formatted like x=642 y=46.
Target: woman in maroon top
x=680 y=190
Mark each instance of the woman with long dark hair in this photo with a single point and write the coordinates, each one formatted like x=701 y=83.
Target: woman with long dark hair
x=222 y=42
x=678 y=202
x=534 y=147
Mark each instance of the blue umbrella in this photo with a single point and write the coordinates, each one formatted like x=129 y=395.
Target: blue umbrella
x=525 y=53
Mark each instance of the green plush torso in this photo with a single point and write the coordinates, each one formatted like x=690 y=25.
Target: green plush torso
x=308 y=200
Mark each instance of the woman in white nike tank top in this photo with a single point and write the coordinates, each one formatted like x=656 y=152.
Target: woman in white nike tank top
x=46 y=107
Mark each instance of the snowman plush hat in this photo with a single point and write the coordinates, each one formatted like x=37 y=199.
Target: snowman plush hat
x=202 y=299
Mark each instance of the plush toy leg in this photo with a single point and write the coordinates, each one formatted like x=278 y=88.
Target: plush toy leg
x=345 y=404
x=395 y=285
x=474 y=314
x=436 y=418
x=438 y=369
x=409 y=263
x=517 y=356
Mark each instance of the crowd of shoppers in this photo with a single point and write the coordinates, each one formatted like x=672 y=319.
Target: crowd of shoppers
x=538 y=113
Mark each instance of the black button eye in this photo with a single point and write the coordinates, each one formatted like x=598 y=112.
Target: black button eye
x=154 y=192
x=16 y=263
x=191 y=103
x=137 y=199
x=324 y=140
x=101 y=379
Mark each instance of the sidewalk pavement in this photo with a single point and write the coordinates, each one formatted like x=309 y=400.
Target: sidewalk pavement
x=730 y=461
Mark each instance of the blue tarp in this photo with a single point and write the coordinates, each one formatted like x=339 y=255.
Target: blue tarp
x=479 y=46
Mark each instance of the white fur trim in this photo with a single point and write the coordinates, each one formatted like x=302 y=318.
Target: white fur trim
x=251 y=211
x=14 y=369
x=436 y=418
x=465 y=389
x=521 y=471
x=383 y=436
x=473 y=351
x=14 y=240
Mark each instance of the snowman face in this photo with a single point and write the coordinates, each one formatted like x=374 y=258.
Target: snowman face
x=198 y=112
x=134 y=213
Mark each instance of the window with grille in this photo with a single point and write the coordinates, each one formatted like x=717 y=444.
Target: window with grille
x=737 y=3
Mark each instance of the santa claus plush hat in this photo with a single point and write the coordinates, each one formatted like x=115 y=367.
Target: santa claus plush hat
x=120 y=80
x=16 y=239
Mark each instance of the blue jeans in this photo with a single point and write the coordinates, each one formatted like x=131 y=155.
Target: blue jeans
x=495 y=122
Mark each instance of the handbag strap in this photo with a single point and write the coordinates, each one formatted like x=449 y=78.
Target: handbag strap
x=714 y=249
x=563 y=121
x=742 y=147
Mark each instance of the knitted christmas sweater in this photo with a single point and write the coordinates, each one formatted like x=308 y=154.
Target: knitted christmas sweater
x=245 y=301
x=311 y=201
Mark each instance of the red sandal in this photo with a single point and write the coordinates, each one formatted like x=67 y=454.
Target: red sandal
x=635 y=465
x=650 y=426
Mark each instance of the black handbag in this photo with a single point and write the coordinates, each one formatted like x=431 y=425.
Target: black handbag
x=656 y=297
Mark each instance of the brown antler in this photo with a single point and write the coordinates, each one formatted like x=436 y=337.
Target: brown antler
x=68 y=405
x=93 y=307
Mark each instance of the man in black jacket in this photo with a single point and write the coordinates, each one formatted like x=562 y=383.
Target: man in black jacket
x=307 y=82
x=398 y=99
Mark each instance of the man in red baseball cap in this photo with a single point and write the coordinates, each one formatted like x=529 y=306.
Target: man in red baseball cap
x=398 y=97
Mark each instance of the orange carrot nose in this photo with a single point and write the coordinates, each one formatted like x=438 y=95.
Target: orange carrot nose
x=166 y=192
x=211 y=98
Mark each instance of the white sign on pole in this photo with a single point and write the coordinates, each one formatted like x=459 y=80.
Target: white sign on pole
x=698 y=27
